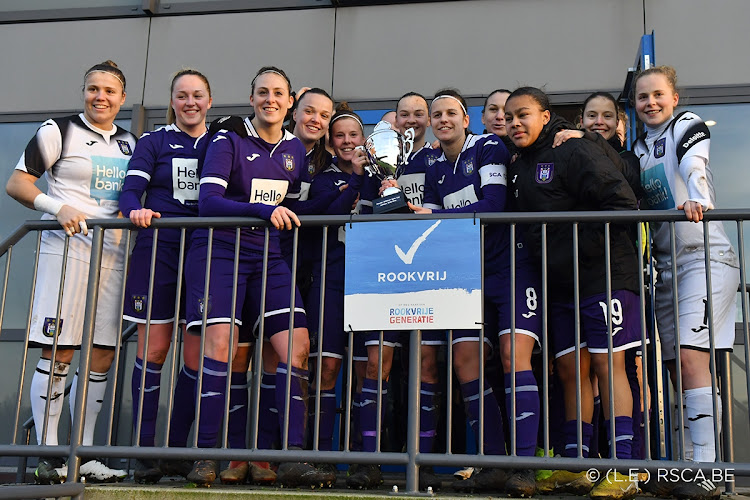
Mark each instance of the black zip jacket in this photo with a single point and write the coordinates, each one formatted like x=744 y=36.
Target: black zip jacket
x=574 y=176
x=626 y=161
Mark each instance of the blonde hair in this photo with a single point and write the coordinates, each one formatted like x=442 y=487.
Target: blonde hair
x=667 y=71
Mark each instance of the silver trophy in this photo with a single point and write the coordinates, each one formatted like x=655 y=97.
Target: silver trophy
x=387 y=150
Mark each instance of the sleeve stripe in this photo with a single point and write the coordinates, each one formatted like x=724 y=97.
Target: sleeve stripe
x=139 y=173
x=43 y=150
x=432 y=206
x=215 y=180
x=493 y=174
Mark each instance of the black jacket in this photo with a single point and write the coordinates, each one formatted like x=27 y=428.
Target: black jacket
x=626 y=161
x=574 y=176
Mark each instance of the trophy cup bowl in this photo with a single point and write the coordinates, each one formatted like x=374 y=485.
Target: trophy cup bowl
x=386 y=150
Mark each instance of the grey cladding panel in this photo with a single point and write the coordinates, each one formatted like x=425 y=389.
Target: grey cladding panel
x=230 y=48
x=480 y=45
x=44 y=63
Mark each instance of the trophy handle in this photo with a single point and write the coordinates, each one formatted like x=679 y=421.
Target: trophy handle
x=409 y=140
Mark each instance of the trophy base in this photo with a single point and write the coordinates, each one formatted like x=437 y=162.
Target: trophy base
x=391 y=204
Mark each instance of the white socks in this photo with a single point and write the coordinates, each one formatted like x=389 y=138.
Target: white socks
x=97 y=387
x=700 y=417
x=38 y=396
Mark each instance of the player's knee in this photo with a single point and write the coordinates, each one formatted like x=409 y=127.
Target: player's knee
x=329 y=372
x=61 y=356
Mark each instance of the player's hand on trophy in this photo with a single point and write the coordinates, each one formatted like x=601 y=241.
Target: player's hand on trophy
x=385 y=184
x=359 y=161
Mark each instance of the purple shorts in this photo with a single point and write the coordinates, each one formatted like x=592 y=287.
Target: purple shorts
x=401 y=338
x=249 y=290
x=626 y=323
x=360 y=350
x=469 y=336
x=334 y=338
x=528 y=312
x=165 y=284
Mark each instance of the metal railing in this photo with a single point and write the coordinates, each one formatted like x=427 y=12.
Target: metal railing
x=411 y=458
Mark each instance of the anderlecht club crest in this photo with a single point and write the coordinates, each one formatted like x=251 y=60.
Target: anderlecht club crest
x=544 y=172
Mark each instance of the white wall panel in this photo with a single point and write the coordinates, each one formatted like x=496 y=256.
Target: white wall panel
x=230 y=48
x=43 y=63
x=479 y=45
x=706 y=42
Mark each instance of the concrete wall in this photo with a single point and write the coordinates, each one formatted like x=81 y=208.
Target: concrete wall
x=379 y=52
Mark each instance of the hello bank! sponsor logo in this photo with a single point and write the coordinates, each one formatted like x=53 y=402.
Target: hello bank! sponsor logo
x=107 y=175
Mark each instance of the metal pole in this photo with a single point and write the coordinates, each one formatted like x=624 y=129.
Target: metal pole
x=84 y=363
x=414 y=405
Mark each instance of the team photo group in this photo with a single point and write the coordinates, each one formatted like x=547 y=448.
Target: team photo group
x=300 y=153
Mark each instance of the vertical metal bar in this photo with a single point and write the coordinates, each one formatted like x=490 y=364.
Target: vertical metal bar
x=449 y=395
x=644 y=359
x=233 y=332
x=321 y=333
x=725 y=362
x=25 y=353
x=678 y=367
x=348 y=390
x=6 y=274
x=577 y=330
x=711 y=337
x=661 y=402
x=545 y=346
x=379 y=403
x=610 y=355
x=289 y=351
x=53 y=356
x=512 y=333
x=414 y=406
x=480 y=438
x=175 y=334
x=113 y=422
x=84 y=362
x=255 y=418
x=204 y=320
x=146 y=336
x=744 y=301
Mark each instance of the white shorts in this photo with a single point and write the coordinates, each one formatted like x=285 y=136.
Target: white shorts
x=691 y=294
x=44 y=309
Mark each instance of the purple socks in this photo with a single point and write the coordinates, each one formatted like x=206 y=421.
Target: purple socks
x=268 y=416
x=369 y=413
x=527 y=411
x=494 y=444
x=427 y=416
x=297 y=405
x=327 y=418
x=212 y=401
x=238 y=399
x=150 y=399
x=183 y=410
x=623 y=436
x=571 y=438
